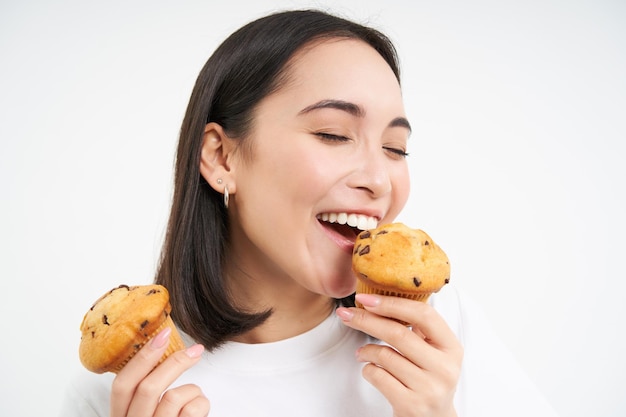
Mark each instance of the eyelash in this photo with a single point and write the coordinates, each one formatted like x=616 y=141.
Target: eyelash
x=332 y=138
x=339 y=138
x=398 y=152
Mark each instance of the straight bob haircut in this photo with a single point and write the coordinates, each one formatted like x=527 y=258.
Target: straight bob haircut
x=245 y=68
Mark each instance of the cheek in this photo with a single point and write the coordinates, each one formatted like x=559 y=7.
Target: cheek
x=305 y=174
x=283 y=179
x=401 y=189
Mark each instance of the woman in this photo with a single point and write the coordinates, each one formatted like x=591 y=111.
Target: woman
x=295 y=116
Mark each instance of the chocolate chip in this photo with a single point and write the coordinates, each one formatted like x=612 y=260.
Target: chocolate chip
x=417 y=282
x=382 y=232
x=356 y=249
x=119 y=287
x=365 y=234
x=144 y=324
x=426 y=243
x=447 y=280
x=365 y=250
x=93 y=334
x=105 y=319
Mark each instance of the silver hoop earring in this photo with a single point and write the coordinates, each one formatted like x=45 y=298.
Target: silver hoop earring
x=226 y=196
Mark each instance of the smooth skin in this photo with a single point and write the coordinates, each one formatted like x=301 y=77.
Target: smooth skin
x=137 y=388
x=333 y=139
x=420 y=374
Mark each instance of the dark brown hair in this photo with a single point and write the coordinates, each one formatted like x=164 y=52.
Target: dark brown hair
x=243 y=70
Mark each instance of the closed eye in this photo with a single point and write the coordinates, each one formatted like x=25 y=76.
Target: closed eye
x=399 y=152
x=331 y=137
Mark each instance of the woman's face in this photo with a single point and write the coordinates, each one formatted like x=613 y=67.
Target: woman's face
x=326 y=148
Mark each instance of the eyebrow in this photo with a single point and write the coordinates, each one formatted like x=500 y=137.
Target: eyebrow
x=401 y=122
x=346 y=106
x=352 y=109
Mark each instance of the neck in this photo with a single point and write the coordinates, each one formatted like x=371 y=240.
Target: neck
x=295 y=310
x=283 y=325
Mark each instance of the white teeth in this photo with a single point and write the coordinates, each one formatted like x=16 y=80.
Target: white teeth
x=363 y=223
x=359 y=221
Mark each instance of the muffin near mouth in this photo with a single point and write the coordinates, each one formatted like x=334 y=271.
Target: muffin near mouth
x=396 y=260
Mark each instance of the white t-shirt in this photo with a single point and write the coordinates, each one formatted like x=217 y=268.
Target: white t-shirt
x=316 y=374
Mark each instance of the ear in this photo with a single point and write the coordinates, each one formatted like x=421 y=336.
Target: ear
x=215 y=158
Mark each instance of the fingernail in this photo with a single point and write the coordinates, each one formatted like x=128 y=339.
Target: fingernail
x=368 y=300
x=161 y=339
x=344 y=314
x=357 y=354
x=194 y=351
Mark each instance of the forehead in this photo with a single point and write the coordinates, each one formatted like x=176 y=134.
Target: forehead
x=329 y=53
x=340 y=68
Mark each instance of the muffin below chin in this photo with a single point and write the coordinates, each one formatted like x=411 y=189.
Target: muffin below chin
x=399 y=261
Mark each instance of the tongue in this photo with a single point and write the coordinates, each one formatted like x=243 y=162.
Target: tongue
x=343 y=229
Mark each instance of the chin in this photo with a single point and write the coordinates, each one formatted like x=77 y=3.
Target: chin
x=338 y=281
x=341 y=291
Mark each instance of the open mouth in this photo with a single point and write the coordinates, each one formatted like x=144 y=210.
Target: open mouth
x=348 y=225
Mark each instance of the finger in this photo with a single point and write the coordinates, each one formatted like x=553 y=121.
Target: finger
x=404 y=384
x=136 y=369
x=186 y=400
x=394 y=363
x=410 y=344
x=391 y=388
x=198 y=407
x=422 y=316
x=429 y=400
x=149 y=390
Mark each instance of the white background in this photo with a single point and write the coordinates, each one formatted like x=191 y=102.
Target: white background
x=517 y=162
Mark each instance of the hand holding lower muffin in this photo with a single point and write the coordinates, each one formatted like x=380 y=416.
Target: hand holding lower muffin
x=417 y=366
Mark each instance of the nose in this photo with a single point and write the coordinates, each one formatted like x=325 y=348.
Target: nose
x=372 y=174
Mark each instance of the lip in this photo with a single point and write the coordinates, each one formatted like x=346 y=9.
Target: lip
x=343 y=232
x=343 y=241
